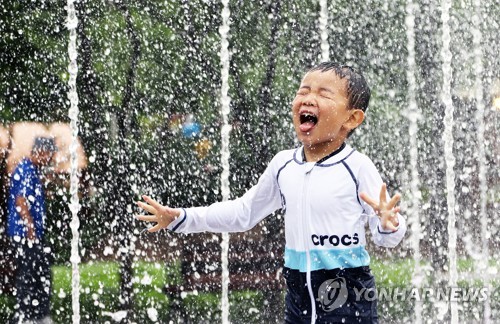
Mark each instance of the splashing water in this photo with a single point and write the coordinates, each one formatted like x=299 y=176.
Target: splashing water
x=323 y=27
x=74 y=202
x=394 y=46
x=478 y=94
x=225 y=132
x=448 y=152
x=413 y=115
x=74 y=206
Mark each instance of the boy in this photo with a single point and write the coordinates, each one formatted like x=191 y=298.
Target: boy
x=325 y=188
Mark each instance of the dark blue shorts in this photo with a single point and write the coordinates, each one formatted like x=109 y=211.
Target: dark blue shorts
x=341 y=296
x=33 y=282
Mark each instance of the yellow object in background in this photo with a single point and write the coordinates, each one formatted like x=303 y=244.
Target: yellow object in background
x=202 y=147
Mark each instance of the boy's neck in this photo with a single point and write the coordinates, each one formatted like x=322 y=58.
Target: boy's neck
x=317 y=152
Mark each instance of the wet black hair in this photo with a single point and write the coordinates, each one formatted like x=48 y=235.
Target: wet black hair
x=358 y=92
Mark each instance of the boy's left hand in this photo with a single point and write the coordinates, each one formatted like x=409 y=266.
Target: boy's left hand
x=386 y=211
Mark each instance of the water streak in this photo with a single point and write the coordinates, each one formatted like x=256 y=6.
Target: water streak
x=323 y=27
x=446 y=56
x=225 y=133
x=481 y=156
x=413 y=116
x=74 y=206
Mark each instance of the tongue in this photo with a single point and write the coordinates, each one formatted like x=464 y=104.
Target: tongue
x=306 y=127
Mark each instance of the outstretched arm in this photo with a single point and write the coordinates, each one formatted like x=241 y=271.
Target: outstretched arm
x=236 y=215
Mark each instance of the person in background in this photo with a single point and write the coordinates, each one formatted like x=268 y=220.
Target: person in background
x=26 y=217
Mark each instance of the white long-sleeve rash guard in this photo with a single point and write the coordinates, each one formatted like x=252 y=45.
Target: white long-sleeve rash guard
x=324 y=217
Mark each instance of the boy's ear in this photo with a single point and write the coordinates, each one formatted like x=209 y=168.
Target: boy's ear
x=356 y=118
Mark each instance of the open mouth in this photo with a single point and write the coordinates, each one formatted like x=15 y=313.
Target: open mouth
x=307 y=121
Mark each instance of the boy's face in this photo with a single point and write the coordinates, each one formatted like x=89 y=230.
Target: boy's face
x=320 y=109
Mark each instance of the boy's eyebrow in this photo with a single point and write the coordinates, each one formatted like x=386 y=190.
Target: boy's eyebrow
x=325 y=89
x=320 y=89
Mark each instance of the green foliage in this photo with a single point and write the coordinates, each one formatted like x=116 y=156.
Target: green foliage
x=99 y=291
x=7 y=304
x=32 y=61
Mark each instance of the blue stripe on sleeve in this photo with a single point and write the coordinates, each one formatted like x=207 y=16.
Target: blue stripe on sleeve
x=182 y=221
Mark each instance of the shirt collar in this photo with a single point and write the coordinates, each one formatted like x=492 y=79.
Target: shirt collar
x=334 y=157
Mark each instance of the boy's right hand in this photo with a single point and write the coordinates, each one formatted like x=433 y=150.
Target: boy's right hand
x=162 y=215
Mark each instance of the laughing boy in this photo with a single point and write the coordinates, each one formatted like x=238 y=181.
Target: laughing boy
x=325 y=188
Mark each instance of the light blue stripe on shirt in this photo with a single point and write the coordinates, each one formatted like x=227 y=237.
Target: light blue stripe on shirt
x=327 y=259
